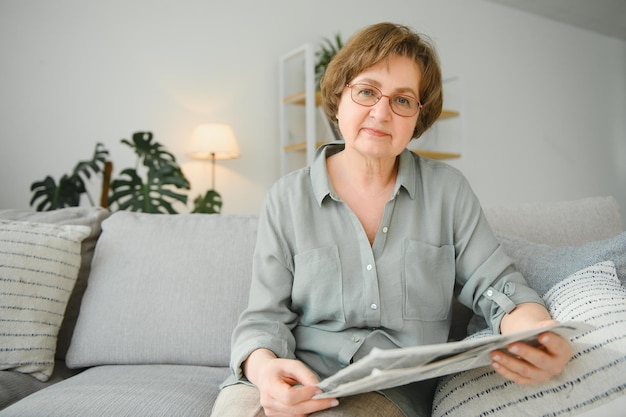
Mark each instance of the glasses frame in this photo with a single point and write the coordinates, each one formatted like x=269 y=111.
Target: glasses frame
x=380 y=95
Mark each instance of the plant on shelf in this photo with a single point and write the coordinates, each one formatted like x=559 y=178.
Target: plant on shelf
x=327 y=51
x=152 y=186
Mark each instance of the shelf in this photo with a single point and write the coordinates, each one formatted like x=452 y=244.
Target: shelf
x=300 y=99
x=436 y=154
x=300 y=146
x=448 y=114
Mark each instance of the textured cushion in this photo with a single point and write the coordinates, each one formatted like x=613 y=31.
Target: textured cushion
x=86 y=216
x=165 y=289
x=129 y=390
x=595 y=375
x=543 y=265
x=559 y=223
x=38 y=268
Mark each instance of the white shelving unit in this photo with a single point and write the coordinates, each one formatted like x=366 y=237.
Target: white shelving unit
x=297 y=105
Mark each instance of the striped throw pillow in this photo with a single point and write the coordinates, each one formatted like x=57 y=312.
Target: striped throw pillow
x=595 y=375
x=38 y=268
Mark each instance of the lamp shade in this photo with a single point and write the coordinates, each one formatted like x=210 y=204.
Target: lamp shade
x=213 y=140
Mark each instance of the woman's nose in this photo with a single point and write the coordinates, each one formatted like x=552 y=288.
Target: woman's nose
x=382 y=109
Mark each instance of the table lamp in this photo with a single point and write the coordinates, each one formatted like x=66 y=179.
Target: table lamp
x=212 y=141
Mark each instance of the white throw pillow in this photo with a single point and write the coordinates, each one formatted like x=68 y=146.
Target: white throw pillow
x=38 y=269
x=595 y=375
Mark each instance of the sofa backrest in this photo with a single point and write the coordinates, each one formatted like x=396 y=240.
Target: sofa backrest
x=563 y=223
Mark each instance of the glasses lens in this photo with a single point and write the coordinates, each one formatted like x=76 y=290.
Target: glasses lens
x=365 y=94
x=404 y=105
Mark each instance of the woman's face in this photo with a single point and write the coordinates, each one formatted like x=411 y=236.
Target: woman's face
x=377 y=131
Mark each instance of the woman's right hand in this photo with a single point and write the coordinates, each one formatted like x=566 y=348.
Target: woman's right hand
x=286 y=386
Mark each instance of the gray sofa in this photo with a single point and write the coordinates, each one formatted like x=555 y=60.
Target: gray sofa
x=147 y=327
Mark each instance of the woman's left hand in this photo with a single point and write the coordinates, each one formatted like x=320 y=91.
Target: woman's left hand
x=529 y=365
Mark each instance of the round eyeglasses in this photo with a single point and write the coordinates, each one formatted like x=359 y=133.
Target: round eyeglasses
x=368 y=95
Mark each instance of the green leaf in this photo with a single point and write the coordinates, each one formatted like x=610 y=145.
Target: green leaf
x=157 y=193
x=51 y=196
x=45 y=192
x=96 y=164
x=325 y=54
x=211 y=203
x=154 y=154
x=130 y=192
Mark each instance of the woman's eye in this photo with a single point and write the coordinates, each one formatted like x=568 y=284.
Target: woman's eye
x=366 y=92
x=403 y=101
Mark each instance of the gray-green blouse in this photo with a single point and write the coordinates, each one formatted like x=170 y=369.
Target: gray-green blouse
x=321 y=293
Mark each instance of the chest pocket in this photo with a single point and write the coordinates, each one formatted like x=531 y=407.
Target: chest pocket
x=428 y=281
x=317 y=293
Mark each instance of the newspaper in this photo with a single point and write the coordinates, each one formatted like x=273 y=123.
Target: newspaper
x=382 y=369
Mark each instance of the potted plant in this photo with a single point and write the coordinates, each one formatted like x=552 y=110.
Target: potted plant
x=325 y=54
x=157 y=189
x=50 y=195
x=152 y=186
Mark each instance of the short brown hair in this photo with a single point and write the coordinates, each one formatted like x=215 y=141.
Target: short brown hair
x=377 y=43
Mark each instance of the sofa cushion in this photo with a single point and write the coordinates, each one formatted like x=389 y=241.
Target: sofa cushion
x=128 y=390
x=595 y=375
x=165 y=289
x=544 y=265
x=86 y=216
x=38 y=269
x=14 y=385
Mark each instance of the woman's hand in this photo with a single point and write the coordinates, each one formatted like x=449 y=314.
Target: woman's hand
x=526 y=364
x=286 y=386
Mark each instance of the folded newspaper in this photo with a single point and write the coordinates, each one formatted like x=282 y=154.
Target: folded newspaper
x=381 y=369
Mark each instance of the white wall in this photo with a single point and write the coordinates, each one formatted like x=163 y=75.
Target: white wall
x=543 y=104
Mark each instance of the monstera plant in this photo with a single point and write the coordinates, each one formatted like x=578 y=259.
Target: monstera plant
x=152 y=186
x=50 y=195
x=156 y=190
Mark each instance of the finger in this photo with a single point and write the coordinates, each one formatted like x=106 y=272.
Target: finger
x=304 y=407
x=302 y=374
x=518 y=370
x=551 y=355
x=556 y=345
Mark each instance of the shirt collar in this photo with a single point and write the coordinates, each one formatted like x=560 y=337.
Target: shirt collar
x=321 y=183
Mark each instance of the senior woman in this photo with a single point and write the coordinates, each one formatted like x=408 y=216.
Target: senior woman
x=367 y=248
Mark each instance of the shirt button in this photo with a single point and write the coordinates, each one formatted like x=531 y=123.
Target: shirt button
x=489 y=293
x=385 y=229
x=369 y=267
x=357 y=339
x=374 y=307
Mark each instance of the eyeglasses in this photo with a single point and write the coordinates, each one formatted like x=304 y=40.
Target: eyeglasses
x=368 y=95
